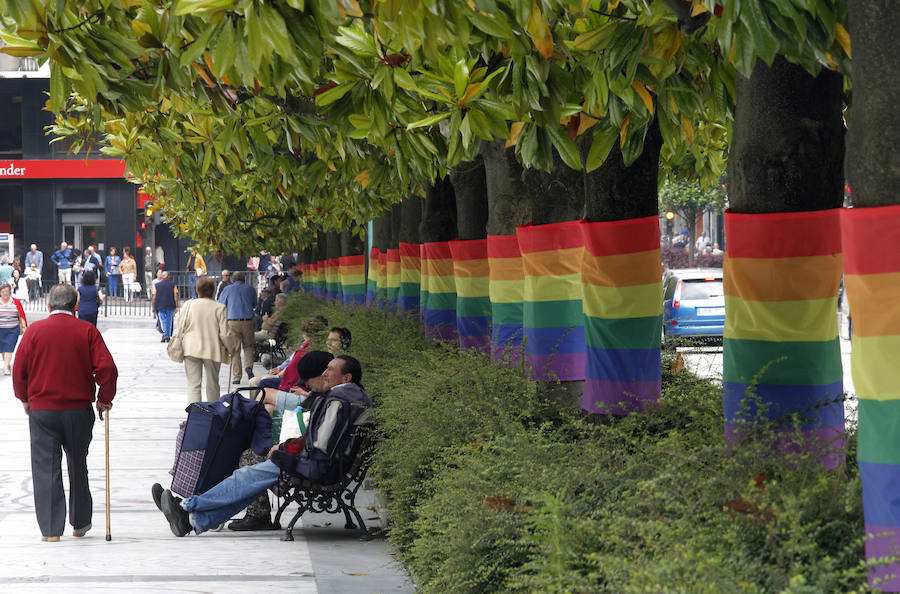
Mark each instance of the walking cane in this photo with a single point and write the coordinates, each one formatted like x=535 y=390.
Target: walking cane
x=106 y=433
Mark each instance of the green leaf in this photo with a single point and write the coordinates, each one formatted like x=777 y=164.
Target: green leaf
x=430 y=120
x=196 y=49
x=495 y=26
x=333 y=94
x=460 y=78
x=564 y=145
x=57 y=87
x=604 y=138
x=277 y=34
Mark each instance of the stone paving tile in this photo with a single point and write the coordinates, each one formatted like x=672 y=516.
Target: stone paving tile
x=143 y=555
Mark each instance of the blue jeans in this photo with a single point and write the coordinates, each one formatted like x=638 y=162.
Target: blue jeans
x=217 y=505
x=192 y=278
x=166 y=317
x=114 y=284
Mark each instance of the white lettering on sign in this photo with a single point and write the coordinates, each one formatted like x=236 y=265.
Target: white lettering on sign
x=12 y=170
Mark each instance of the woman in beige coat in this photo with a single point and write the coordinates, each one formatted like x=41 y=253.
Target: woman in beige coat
x=207 y=342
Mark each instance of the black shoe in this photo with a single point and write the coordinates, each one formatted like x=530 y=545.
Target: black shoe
x=236 y=382
x=163 y=339
x=252 y=523
x=249 y=371
x=179 y=520
x=156 y=491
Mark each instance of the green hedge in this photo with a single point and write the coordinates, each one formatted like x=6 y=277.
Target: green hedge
x=490 y=487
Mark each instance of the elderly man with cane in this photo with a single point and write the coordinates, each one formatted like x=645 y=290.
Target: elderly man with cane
x=58 y=363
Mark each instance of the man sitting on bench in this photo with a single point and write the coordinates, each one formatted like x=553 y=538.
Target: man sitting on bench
x=210 y=509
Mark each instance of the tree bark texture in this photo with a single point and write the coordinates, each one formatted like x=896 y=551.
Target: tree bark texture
x=873 y=141
x=352 y=245
x=470 y=188
x=556 y=196
x=410 y=219
x=509 y=205
x=381 y=231
x=788 y=146
x=395 y=227
x=333 y=244
x=439 y=217
x=614 y=192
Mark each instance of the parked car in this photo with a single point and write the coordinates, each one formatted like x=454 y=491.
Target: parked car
x=693 y=305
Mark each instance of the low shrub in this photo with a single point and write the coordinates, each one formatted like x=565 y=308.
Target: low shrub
x=490 y=488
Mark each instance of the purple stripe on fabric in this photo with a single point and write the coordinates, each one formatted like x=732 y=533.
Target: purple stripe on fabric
x=481 y=343
x=509 y=355
x=565 y=367
x=829 y=442
x=354 y=298
x=407 y=303
x=448 y=333
x=883 y=542
x=619 y=398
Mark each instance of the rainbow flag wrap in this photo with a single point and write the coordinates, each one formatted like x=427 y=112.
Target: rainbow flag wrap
x=507 y=292
x=871 y=238
x=304 y=278
x=410 y=277
x=438 y=291
x=372 y=279
x=552 y=314
x=392 y=276
x=381 y=290
x=353 y=279
x=622 y=306
x=321 y=279
x=332 y=279
x=782 y=272
x=473 y=302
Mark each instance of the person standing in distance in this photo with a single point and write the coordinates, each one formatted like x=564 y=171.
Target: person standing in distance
x=63 y=258
x=165 y=304
x=58 y=363
x=240 y=298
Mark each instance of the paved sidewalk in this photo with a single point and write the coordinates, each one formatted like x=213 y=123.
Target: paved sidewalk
x=143 y=554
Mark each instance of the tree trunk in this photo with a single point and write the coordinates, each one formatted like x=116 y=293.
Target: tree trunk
x=556 y=196
x=470 y=188
x=788 y=146
x=509 y=204
x=352 y=245
x=439 y=216
x=381 y=232
x=410 y=219
x=396 y=225
x=438 y=289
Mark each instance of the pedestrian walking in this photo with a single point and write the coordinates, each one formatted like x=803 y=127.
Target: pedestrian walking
x=149 y=271
x=64 y=258
x=196 y=267
x=165 y=303
x=34 y=256
x=12 y=323
x=240 y=299
x=113 y=274
x=206 y=341
x=58 y=364
x=128 y=268
x=89 y=298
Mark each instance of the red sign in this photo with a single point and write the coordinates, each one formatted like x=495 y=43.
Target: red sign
x=62 y=169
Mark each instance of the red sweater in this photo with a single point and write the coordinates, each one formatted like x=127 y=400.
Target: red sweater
x=58 y=362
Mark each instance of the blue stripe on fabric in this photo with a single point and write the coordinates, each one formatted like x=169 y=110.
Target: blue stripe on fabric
x=354 y=299
x=439 y=317
x=814 y=403
x=881 y=493
x=507 y=334
x=407 y=302
x=548 y=341
x=473 y=325
x=623 y=365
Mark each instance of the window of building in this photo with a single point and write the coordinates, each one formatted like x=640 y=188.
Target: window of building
x=11 y=126
x=80 y=195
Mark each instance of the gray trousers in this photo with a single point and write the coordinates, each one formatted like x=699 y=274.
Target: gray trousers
x=53 y=431
x=194 y=369
x=243 y=331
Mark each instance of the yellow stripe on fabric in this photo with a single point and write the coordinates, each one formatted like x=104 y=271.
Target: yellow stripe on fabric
x=622 y=270
x=781 y=321
x=472 y=287
x=437 y=267
x=412 y=275
x=783 y=279
x=471 y=268
x=392 y=282
x=553 y=263
x=506 y=268
x=874 y=303
x=439 y=284
x=507 y=291
x=553 y=288
x=354 y=269
x=876 y=372
x=353 y=279
x=639 y=301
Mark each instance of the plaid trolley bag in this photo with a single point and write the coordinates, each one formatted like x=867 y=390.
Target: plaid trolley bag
x=210 y=442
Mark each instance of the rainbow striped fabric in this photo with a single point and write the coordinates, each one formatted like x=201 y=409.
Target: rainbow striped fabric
x=317 y=280
x=552 y=314
x=410 y=277
x=438 y=291
x=332 y=279
x=871 y=239
x=782 y=272
x=372 y=278
x=473 y=303
x=381 y=286
x=353 y=279
x=392 y=276
x=622 y=306
x=507 y=293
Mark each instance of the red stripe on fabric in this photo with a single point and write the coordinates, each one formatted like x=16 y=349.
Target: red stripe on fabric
x=503 y=246
x=393 y=255
x=352 y=260
x=783 y=234
x=872 y=239
x=410 y=250
x=612 y=238
x=545 y=238
x=472 y=249
x=436 y=250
